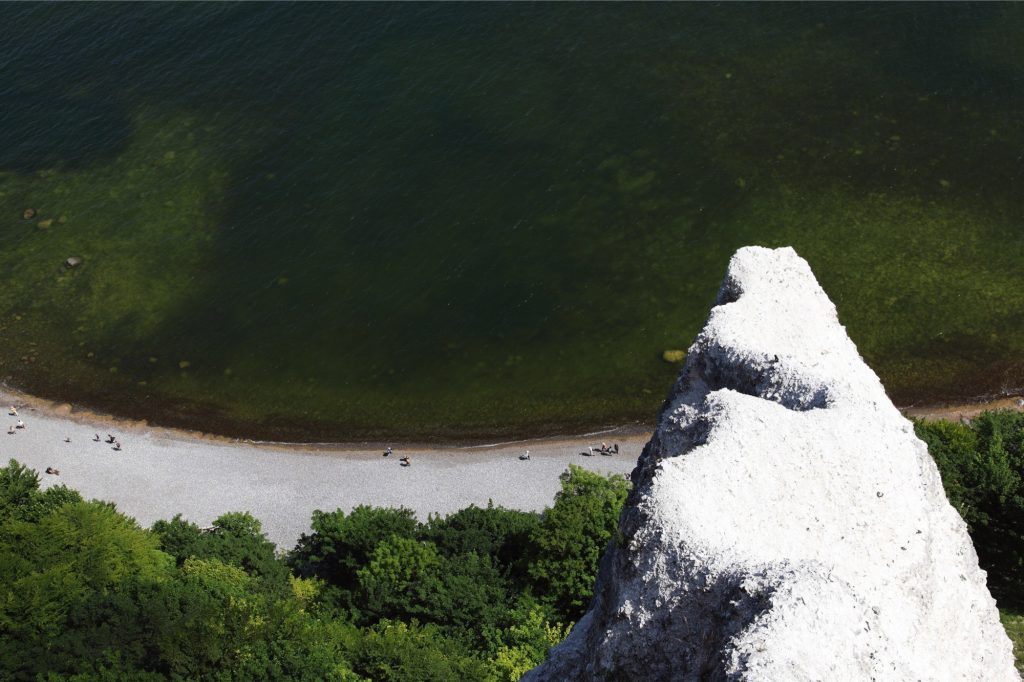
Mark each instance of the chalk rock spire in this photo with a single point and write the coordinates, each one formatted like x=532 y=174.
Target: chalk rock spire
x=786 y=523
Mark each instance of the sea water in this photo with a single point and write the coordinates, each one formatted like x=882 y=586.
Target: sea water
x=457 y=221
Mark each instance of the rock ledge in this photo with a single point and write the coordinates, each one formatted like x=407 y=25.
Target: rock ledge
x=786 y=523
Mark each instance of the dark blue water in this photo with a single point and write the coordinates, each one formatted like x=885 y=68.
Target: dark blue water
x=333 y=222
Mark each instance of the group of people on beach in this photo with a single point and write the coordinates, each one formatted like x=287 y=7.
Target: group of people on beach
x=111 y=440
x=13 y=428
x=404 y=460
x=605 y=449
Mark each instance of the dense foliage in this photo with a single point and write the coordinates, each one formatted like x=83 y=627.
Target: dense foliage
x=982 y=464
x=372 y=594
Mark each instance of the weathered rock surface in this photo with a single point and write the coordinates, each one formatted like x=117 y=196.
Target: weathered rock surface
x=786 y=523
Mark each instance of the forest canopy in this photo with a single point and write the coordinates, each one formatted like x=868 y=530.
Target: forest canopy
x=372 y=593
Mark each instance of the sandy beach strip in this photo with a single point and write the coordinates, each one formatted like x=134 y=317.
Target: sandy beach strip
x=967 y=410
x=161 y=472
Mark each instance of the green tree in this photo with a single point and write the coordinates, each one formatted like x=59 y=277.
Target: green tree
x=180 y=538
x=981 y=467
x=402 y=579
x=408 y=579
x=495 y=532
x=69 y=587
x=341 y=544
x=213 y=622
x=525 y=642
x=571 y=538
x=393 y=651
x=953 y=446
x=20 y=497
x=235 y=538
x=17 y=484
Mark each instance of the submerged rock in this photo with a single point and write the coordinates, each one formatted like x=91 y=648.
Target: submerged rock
x=786 y=523
x=674 y=356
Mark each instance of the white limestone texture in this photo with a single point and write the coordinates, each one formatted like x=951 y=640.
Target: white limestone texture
x=786 y=523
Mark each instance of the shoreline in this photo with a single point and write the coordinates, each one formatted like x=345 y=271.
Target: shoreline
x=12 y=396
x=965 y=410
x=161 y=471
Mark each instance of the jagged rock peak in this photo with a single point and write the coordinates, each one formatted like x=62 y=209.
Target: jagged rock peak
x=786 y=523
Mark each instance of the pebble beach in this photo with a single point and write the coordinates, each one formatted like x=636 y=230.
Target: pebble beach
x=162 y=472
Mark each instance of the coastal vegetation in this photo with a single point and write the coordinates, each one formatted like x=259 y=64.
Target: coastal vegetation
x=982 y=468
x=373 y=594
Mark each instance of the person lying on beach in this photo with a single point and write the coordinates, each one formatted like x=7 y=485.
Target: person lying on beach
x=51 y=470
x=526 y=455
x=406 y=461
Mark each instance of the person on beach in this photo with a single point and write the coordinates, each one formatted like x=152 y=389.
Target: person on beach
x=10 y=429
x=388 y=451
x=13 y=412
x=96 y=438
x=51 y=470
x=21 y=424
x=117 y=446
x=406 y=460
x=525 y=456
x=110 y=438
x=66 y=439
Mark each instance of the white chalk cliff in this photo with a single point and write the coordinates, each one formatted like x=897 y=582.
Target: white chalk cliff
x=786 y=524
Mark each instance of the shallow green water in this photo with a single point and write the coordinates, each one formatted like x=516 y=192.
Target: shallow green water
x=336 y=222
